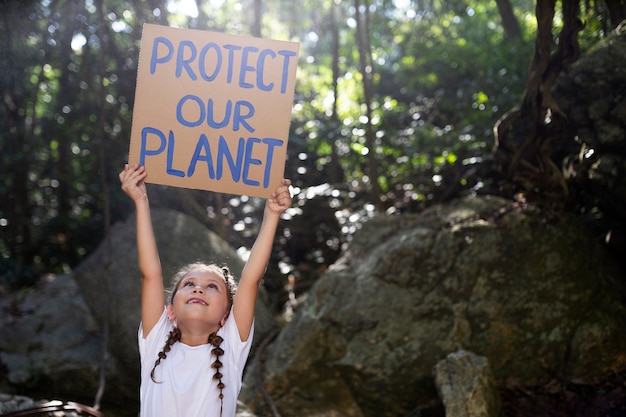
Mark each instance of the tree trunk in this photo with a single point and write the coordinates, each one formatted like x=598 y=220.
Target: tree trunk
x=617 y=12
x=16 y=149
x=527 y=137
x=62 y=168
x=335 y=173
x=202 y=21
x=105 y=272
x=509 y=22
x=366 y=68
x=255 y=30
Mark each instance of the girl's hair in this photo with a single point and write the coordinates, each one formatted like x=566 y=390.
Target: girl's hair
x=214 y=339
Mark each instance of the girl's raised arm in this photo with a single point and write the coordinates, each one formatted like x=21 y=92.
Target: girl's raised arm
x=152 y=298
x=248 y=288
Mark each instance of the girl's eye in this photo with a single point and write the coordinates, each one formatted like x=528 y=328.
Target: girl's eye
x=213 y=286
x=188 y=283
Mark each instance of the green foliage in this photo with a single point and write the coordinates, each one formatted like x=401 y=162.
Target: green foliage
x=442 y=74
x=68 y=88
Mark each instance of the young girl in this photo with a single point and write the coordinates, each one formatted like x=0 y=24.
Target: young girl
x=194 y=350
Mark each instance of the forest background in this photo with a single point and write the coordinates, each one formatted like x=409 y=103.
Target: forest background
x=395 y=108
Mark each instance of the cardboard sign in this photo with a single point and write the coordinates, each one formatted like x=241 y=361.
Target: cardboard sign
x=212 y=110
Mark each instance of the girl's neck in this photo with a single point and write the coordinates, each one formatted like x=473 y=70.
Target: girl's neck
x=196 y=337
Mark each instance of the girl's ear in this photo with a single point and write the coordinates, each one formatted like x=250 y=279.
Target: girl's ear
x=223 y=321
x=170 y=313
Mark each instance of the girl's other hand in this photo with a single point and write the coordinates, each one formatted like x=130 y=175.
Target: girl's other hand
x=281 y=198
x=132 y=179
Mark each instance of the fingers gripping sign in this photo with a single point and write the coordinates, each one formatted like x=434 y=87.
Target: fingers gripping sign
x=132 y=179
x=281 y=198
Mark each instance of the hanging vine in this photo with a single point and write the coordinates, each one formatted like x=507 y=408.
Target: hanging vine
x=528 y=136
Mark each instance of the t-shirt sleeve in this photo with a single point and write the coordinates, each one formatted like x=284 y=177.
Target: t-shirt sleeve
x=237 y=348
x=151 y=345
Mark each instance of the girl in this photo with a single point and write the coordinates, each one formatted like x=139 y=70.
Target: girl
x=194 y=350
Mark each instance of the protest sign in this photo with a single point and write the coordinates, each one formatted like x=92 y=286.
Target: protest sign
x=212 y=110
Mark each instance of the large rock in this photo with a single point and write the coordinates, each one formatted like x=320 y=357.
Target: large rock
x=50 y=343
x=10 y=403
x=466 y=386
x=481 y=274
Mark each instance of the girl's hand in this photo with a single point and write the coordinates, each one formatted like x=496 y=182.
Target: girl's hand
x=132 y=179
x=280 y=199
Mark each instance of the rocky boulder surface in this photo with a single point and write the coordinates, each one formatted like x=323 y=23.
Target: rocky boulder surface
x=466 y=386
x=49 y=340
x=537 y=299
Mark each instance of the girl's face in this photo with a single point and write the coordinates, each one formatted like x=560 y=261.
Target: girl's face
x=201 y=298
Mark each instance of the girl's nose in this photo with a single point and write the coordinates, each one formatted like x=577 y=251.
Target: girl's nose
x=198 y=288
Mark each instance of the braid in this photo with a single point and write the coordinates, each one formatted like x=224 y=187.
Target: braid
x=216 y=341
x=173 y=337
x=231 y=284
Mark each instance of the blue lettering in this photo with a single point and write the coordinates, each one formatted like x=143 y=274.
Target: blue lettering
x=211 y=113
x=250 y=62
x=245 y=67
x=231 y=58
x=203 y=144
x=224 y=153
x=202 y=61
x=181 y=62
x=154 y=59
x=179 y=111
x=260 y=68
x=144 y=142
x=249 y=160
x=239 y=161
x=240 y=118
x=170 y=156
x=271 y=143
x=287 y=55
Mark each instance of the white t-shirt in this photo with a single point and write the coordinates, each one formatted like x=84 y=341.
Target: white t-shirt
x=187 y=387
